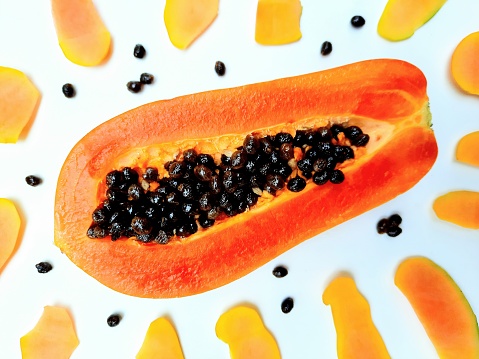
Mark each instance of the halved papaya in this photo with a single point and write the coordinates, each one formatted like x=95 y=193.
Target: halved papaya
x=386 y=98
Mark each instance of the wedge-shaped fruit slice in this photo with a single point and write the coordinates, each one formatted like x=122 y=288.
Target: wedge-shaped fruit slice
x=401 y=18
x=18 y=103
x=185 y=20
x=278 y=22
x=9 y=228
x=161 y=342
x=441 y=307
x=459 y=207
x=464 y=64
x=82 y=35
x=357 y=336
x=52 y=337
x=467 y=150
x=243 y=330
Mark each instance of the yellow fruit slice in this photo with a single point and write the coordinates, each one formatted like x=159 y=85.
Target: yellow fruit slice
x=465 y=64
x=161 y=342
x=459 y=207
x=401 y=18
x=467 y=150
x=243 y=330
x=18 y=103
x=9 y=228
x=441 y=307
x=82 y=35
x=53 y=337
x=357 y=336
x=278 y=22
x=186 y=20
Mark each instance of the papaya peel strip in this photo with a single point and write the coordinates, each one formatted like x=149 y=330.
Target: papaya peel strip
x=386 y=96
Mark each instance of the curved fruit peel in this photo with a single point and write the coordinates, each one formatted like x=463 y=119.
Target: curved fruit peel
x=10 y=223
x=278 y=22
x=161 y=341
x=52 y=337
x=440 y=306
x=467 y=150
x=465 y=64
x=386 y=97
x=401 y=18
x=82 y=35
x=243 y=330
x=186 y=20
x=357 y=336
x=19 y=99
x=458 y=207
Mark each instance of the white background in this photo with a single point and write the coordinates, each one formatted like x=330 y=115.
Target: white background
x=28 y=43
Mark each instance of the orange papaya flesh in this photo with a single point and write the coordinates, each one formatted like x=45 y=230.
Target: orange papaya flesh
x=10 y=223
x=458 y=207
x=441 y=307
x=19 y=99
x=52 y=337
x=467 y=150
x=82 y=34
x=161 y=341
x=357 y=335
x=386 y=98
x=243 y=330
x=464 y=64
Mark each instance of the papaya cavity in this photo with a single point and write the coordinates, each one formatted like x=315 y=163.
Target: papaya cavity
x=243 y=330
x=278 y=22
x=459 y=207
x=357 y=336
x=161 y=341
x=19 y=99
x=465 y=64
x=10 y=223
x=440 y=306
x=401 y=18
x=186 y=20
x=82 y=34
x=52 y=337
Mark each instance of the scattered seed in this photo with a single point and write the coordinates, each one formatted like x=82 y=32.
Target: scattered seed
x=33 y=180
x=134 y=86
x=43 y=267
x=113 y=320
x=139 y=51
x=280 y=272
x=146 y=78
x=357 y=21
x=287 y=305
x=68 y=90
x=394 y=231
x=382 y=226
x=326 y=48
x=390 y=225
x=220 y=68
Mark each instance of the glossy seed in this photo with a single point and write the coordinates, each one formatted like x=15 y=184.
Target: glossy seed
x=141 y=225
x=321 y=178
x=100 y=215
x=139 y=51
x=286 y=151
x=151 y=174
x=394 y=231
x=395 y=220
x=176 y=169
x=220 y=68
x=33 y=180
x=43 y=267
x=113 y=320
x=296 y=184
x=280 y=272
x=326 y=48
x=357 y=21
x=134 y=86
x=250 y=144
x=361 y=140
x=287 y=305
x=337 y=177
x=382 y=226
x=68 y=90
x=146 y=78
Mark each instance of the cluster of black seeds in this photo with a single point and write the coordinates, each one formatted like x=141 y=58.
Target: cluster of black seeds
x=390 y=225
x=196 y=191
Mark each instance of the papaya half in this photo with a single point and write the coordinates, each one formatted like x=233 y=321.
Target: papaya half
x=385 y=98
